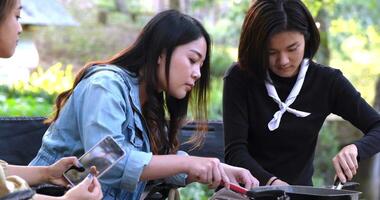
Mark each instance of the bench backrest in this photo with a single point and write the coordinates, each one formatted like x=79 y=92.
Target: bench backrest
x=20 y=139
x=214 y=140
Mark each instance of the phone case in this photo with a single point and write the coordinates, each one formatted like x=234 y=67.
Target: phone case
x=105 y=154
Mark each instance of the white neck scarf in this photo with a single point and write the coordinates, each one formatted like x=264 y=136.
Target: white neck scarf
x=275 y=122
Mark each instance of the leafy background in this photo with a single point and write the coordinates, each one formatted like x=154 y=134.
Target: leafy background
x=350 y=41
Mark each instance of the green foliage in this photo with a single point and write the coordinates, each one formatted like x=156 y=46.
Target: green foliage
x=356 y=54
x=222 y=57
x=132 y=7
x=13 y=103
x=36 y=96
x=105 y=4
x=195 y=191
x=230 y=16
x=215 y=101
x=81 y=45
x=88 y=42
x=364 y=12
x=327 y=148
x=354 y=41
x=315 y=5
x=52 y=80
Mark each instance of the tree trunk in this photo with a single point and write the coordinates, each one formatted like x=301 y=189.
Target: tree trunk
x=376 y=105
x=103 y=17
x=323 y=55
x=121 y=6
x=186 y=6
x=175 y=4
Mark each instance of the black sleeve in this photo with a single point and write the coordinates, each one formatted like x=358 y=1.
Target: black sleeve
x=235 y=119
x=348 y=103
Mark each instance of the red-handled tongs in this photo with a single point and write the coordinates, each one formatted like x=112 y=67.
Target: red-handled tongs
x=274 y=193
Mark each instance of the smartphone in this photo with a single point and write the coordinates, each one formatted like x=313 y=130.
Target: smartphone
x=103 y=156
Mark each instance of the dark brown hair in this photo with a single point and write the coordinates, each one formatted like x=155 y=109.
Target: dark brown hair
x=6 y=7
x=163 y=33
x=266 y=18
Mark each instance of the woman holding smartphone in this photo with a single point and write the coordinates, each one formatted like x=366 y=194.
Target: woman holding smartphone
x=140 y=97
x=15 y=178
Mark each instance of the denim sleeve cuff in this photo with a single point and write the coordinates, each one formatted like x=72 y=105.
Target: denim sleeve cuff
x=136 y=161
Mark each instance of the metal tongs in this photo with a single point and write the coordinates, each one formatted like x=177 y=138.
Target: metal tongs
x=338 y=185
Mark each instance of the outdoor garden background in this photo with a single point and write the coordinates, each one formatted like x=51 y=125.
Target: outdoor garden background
x=350 y=31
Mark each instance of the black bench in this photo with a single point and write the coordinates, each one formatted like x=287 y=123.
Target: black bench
x=20 y=139
x=214 y=140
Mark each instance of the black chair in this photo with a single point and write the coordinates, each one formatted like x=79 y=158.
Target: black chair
x=21 y=137
x=214 y=140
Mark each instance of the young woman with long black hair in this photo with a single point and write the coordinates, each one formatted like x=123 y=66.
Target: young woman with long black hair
x=140 y=97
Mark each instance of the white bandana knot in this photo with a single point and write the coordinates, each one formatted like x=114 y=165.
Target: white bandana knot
x=284 y=106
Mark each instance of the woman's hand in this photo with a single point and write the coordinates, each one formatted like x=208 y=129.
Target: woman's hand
x=212 y=172
x=346 y=163
x=55 y=171
x=206 y=170
x=279 y=182
x=240 y=175
x=88 y=189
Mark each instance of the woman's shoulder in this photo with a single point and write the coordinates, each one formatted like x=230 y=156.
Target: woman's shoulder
x=106 y=71
x=235 y=71
x=110 y=74
x=324 y=69
x=106 y=79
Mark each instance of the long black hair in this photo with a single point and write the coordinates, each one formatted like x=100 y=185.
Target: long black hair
x=163 y=33
x=266 y=18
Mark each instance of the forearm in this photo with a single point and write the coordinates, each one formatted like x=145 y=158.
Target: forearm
x=162 y=166
x=351 y=106
x=369 y=144
x=44 y=197
x=33 y=175
x=241 y=158
x=365 y=118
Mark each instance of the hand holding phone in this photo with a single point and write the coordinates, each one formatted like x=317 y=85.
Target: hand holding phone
x=103 y=156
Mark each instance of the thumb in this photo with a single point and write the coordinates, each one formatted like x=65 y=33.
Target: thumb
x=88 y=180
x=69 y=161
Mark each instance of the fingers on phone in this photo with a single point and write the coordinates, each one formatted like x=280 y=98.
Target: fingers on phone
x=93 y=171
x=80 y=168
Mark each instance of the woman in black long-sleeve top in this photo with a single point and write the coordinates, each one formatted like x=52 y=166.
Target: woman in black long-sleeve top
x=276 y=99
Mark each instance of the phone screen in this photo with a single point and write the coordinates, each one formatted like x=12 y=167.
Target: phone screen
x=103 y=156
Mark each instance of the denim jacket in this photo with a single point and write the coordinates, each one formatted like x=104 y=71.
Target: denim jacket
x=105 y=102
